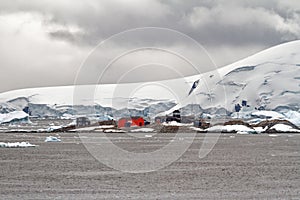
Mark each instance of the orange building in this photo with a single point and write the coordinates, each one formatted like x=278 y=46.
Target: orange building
x=131 y=121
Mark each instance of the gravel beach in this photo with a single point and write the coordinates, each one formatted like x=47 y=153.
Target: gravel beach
x=239 y=167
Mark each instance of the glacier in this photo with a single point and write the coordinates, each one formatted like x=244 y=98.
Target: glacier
x=268 y=80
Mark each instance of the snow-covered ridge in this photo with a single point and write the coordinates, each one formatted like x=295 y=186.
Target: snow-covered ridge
x=269 y=80
x=286 y=53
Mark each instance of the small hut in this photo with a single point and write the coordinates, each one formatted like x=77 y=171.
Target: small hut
x=176 y=117
x=131 y=121
x=83 y=121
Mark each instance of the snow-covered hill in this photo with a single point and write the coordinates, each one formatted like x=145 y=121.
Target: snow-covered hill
x=269 y=80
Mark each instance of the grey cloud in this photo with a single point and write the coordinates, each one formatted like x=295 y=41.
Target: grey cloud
x=239 y=25
x=228 y=29
x=252 y=21
x=67 y=36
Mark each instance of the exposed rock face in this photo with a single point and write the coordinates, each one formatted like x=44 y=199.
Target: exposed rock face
x=237 y=122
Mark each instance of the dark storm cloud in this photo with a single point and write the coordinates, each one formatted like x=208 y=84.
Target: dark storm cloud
x=59 y=34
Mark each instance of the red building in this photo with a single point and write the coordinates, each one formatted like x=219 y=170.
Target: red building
x=131 y=121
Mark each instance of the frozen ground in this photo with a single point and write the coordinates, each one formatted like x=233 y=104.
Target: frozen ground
x=239 y=167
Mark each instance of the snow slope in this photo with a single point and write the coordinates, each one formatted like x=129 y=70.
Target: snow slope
x=269 y=79
x=13 y=116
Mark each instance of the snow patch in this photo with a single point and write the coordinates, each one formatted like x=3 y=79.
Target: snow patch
x=196 y=129
x=174 y=123
x=273 y=135
x=52 y=139
x=231 y=128
x=284 y=128
x=143 y=130
x=94 y=128
x=148 y=136
x=53 y=128
x=85 y=129
x=268 y=114
x=114 y=131
x=260 y=129
x=16 y=145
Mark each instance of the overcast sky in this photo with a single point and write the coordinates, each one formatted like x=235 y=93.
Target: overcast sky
x=44 y=43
